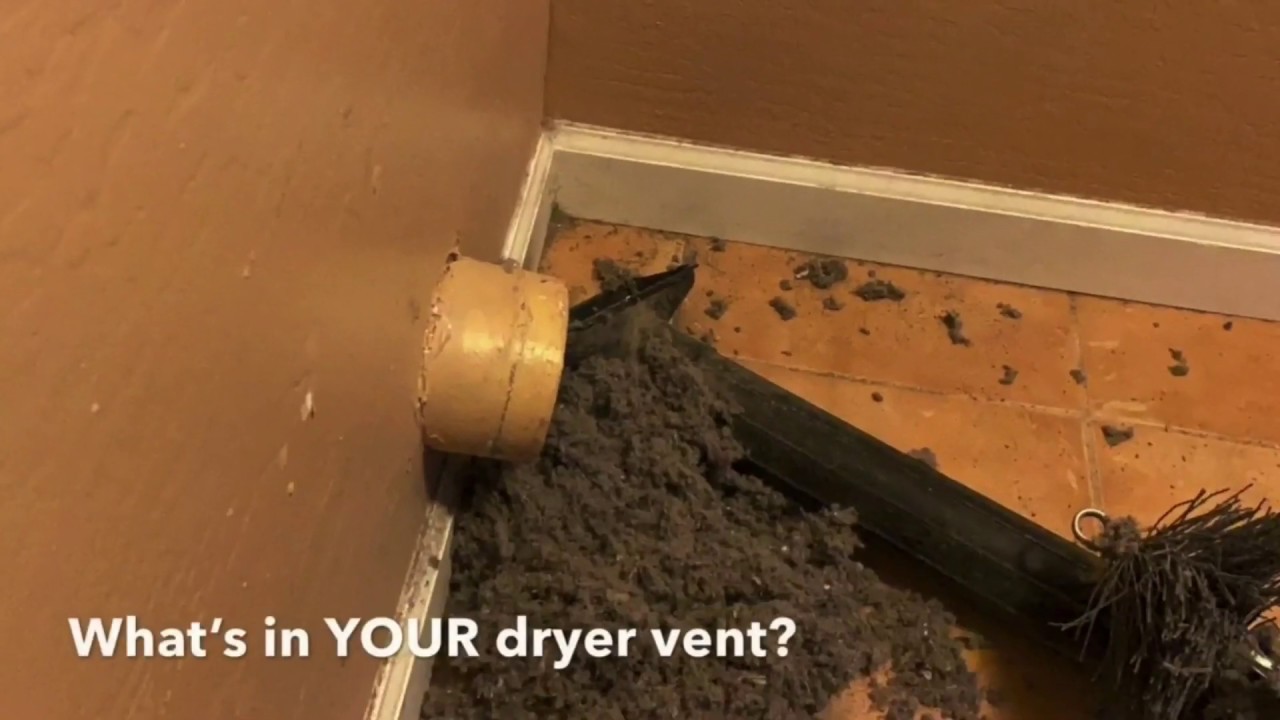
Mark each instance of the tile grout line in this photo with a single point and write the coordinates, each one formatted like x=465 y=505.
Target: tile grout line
x=1097 y=494
x=1086 y=414
x=872 y=382
x=1189 y=432
x=1091 y=458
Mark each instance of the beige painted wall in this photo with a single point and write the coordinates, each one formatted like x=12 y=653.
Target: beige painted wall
x=1175 y=105
x=208 y=210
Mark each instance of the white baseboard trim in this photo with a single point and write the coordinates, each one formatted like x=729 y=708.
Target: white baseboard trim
x=528 y=228
x=1063 y=243
x=403 y=679
x=1152 y=256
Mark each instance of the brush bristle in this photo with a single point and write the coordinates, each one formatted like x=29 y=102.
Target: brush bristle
x=1177 y=603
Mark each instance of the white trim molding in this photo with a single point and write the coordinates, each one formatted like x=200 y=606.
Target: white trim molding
x=529 y=221
x=1063 y=243
x=402 y=681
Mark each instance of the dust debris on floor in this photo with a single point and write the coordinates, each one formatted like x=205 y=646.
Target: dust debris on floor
x=1008 y=375
x=955 y=328
x=832 y=304
x=876 y=290
x=784 y=309
x=1180 y=367
x=717 y=308
x=1079 y=377
x=823 y=273
x=926 y=456
x=636 y=516
x=1116 y=435
x=611 y=274
x=1009 y=311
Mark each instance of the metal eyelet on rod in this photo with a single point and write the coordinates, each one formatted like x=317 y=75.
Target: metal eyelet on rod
x=1077 y=528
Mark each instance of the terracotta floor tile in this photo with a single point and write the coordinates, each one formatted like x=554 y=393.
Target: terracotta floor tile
x=1027 y=460
x=897 y=342
x=1020 y=684
x=1232 y=386
x=571 y=253
x=1159 y=468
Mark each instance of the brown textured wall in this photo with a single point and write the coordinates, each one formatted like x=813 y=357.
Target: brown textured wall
x=209 y=209
x=1174 y=105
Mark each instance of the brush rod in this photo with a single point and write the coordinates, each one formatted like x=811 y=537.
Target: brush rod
x=1003 y=560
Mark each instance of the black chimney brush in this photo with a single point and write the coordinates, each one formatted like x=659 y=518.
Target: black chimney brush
x=1172 y=617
